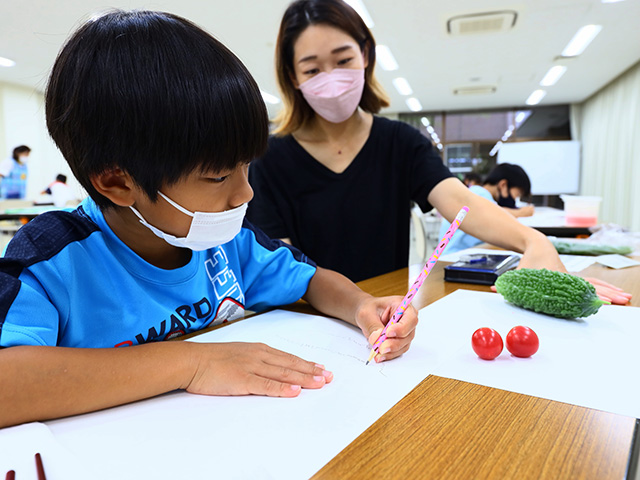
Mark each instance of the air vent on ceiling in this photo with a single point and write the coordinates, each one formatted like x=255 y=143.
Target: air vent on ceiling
x=475 y=90
x=482 y=22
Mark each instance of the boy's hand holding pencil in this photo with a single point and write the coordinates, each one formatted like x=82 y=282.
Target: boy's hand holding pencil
x=375 y=314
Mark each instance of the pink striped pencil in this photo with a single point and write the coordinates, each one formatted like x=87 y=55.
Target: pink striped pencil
x=406 y=301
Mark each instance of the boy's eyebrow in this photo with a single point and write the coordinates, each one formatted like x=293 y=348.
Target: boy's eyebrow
x=333 y=52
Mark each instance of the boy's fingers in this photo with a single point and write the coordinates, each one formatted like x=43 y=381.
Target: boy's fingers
x=391 y=346
x=288 y=360
x=373 y=336
x=294 y=377
x=273 y=388
x=391 y=355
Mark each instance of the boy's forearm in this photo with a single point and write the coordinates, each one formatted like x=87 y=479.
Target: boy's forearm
x=335 y=295
x=40 y=383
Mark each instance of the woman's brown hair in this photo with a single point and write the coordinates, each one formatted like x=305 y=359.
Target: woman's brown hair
x=335 y=13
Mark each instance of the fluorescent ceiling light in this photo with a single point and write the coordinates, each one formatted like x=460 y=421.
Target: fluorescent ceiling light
x=439 y=146
x=425 y=121
x=402 y=86
x=535 y=97
x=385 y=58
x=5 y=62
x=268 y=98
x=414 y=104
x=495 y=148
x=430 y=129
x=553 y=75
x=581 y=40
x=611 y=1
x=521 y=116
x=359 y=7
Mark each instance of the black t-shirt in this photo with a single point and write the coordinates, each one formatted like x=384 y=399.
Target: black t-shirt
x=355 y=222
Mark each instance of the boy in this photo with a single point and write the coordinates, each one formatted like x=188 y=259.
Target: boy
x=503 y=185
x=157 y=121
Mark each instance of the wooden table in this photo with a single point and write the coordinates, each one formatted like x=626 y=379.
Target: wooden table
x=452 y=429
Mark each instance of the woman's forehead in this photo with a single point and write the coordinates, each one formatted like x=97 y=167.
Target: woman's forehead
x=319 y=40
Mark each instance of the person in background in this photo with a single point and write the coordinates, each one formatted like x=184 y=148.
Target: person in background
x=503 y=185
x=13 y=174
x=472 y=178
x=506 y=183
x=60 y=192
x=337 y=181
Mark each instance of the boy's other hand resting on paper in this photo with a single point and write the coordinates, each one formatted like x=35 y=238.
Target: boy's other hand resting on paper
x=374 y=314
x=252 y=369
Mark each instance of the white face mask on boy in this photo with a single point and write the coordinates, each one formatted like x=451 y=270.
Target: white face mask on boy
x=207 y=230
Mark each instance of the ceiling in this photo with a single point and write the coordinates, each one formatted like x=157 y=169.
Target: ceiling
x=433 y=61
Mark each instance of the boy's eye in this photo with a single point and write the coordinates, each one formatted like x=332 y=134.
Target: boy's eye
x=218 y=179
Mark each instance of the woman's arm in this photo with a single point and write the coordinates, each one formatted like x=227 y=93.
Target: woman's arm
x=490 y=223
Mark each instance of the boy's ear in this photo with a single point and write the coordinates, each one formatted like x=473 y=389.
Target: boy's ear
x=116 y=185
x=503 y=186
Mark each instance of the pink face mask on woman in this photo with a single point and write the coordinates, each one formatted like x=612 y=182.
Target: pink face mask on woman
x=336 y=95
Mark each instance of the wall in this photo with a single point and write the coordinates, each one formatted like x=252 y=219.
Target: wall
x=608 y=126
x=22 y=121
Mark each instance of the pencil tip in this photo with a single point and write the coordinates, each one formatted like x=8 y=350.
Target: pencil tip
x=367 y=363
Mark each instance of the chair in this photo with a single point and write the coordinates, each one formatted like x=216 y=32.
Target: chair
x=420 y=234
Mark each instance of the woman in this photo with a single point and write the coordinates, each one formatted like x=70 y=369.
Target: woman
x=337 y=181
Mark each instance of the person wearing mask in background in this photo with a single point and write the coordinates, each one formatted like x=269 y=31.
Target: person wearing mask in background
x=337 y=181
x=472 y=178
x=503 y=185
x=60 y=192
x=13 y=174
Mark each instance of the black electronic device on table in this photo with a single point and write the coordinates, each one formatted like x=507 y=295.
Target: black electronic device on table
x=482 y=269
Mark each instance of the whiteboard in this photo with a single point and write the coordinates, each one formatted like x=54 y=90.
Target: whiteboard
x=553 y=167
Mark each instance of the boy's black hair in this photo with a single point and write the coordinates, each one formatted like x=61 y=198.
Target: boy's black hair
x=19 y=150
x=473 y=177
x=155 y=95
x=514 y=174
x=61 y=178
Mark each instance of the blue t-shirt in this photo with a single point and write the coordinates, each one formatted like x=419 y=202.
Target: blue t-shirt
x=461 y=240
x=68 y=280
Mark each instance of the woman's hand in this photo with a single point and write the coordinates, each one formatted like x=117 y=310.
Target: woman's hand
x=252 y=369
x=374 y=313
x=540 y=253
x=608 y=292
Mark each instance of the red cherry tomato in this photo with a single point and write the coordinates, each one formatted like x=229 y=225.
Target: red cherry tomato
x=487 y=343
x=522 y=341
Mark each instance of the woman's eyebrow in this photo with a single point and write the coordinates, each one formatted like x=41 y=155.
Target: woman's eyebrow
x=333 y=52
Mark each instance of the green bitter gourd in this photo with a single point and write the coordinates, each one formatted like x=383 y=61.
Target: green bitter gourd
x=545 y=291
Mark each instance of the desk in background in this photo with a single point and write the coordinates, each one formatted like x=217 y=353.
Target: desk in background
x=26 y=213
x=551 y=221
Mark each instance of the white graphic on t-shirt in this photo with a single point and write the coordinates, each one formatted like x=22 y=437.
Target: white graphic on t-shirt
x=223 y=279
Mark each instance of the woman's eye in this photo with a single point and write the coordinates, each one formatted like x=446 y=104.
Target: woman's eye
x=344 y=61
x=313 y=71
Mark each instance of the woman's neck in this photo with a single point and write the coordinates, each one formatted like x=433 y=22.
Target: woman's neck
x=319 y=130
